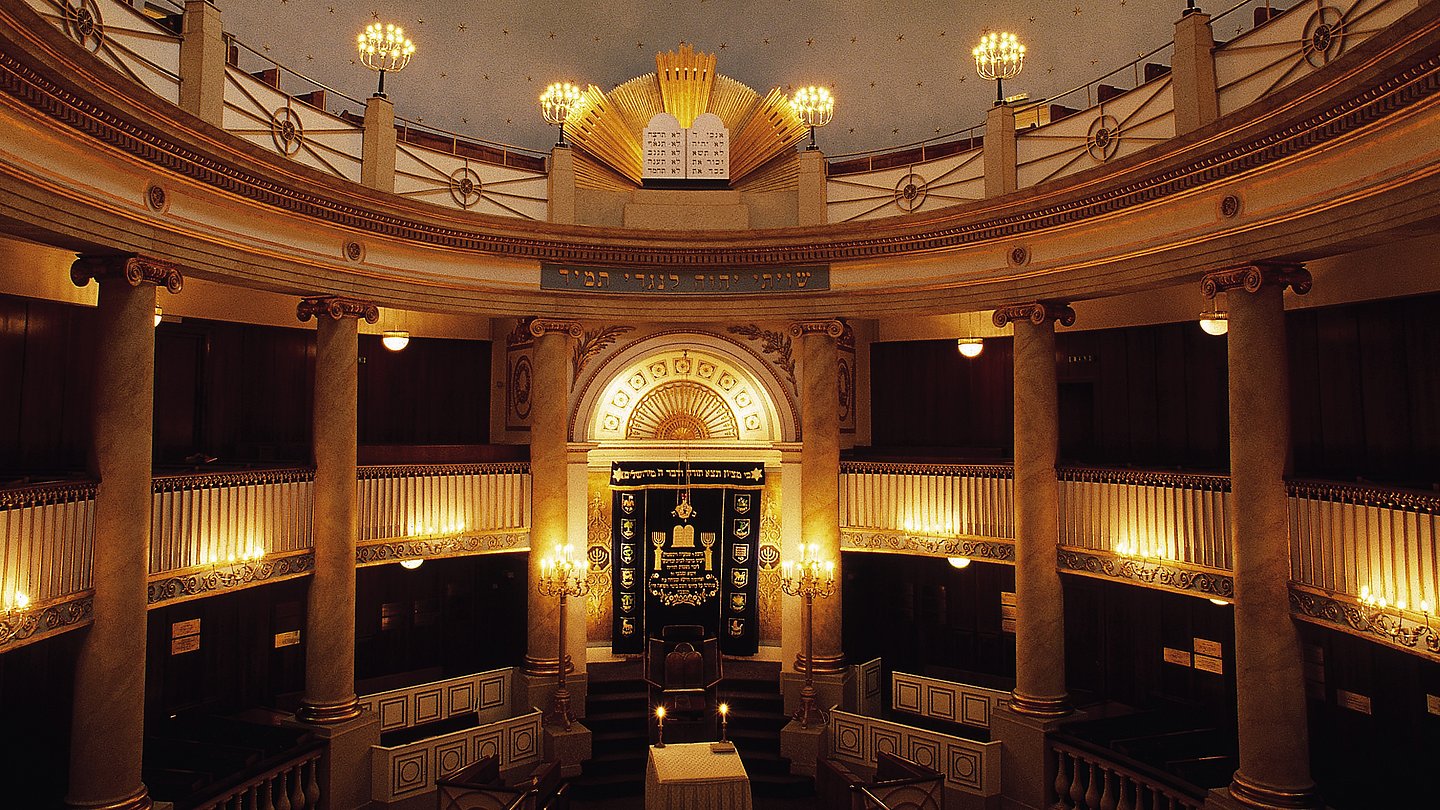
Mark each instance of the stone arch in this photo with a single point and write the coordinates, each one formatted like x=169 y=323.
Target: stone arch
x=684 y=385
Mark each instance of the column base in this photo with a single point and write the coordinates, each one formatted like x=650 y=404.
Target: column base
x=326 y=713
x=1042 y=707
x=1246 y=794
x=139 y=800
x=538 y=692
x=345 y=771
x=1025 y=757
x=570 y=748
x=824 y=664
x=802 y=746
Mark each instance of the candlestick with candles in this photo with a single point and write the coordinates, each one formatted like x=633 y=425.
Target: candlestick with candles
x=564 y=577
x=808 y=578
x=724 y=721
x=659 y=726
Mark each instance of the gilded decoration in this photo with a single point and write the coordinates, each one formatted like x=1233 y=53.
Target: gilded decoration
x=681 y=394
x=682 y=411
x=539 y=327
x=1036 y=312
x=1000 y=551
x=336 y=307
x=157 y=198
x=1168 y=575
x=1344 y=613
x=45 y=494
x=592 y=344
x=609 y=126
x=1146 y=478
x=598 y=606
x=287 y=131
x=207 y=580
x=1252 y=277
x=45 y=620
x=768 y=591
x=136 y=270
x=832 y=328
x=776 y=343
x=1324 y=37
x=375 y=552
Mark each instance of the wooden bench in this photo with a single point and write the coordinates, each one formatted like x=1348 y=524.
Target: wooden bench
x=898 y=784
x=480 y=787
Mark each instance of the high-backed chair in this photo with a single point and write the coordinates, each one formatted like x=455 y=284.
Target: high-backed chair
x=684 y=667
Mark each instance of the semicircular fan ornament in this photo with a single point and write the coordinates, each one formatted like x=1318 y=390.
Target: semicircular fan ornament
x=682 y=411
x=610 y=126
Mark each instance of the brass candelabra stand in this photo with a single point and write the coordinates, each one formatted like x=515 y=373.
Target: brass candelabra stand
x=563 y=577
x=808 y=578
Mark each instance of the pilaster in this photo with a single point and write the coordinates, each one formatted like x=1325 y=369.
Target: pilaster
x=1192 y=73
x=1000 y=152
x=812 y=198
x=561 y=182
x=107 y=735
x=377 y=155
x=202 y=62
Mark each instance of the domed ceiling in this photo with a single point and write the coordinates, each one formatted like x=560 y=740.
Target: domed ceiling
x=901 y=70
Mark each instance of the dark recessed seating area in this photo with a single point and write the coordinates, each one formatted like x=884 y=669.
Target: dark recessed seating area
x=192 y=759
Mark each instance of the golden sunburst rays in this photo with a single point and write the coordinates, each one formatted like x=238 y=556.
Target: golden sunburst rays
x=610 y=126
x=680 y=411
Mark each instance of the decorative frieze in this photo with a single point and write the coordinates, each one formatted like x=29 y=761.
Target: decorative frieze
x=1155 y=573
x=209 y=580
x=136 y=270
x=45 y=494
x=1389 y=626
x=376 y=552
x=24 y=626
x=1036 y=312
x=909 y=468
x=336 y=307
x=1001 y=551
x=1252 y=277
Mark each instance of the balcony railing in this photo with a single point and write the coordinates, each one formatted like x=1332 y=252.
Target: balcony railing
x=1089 y=780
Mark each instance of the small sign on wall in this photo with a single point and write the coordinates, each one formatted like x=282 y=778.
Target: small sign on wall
x=185 y=637
x=1353 y=701
x=1432 y=704
x=1177 y=657
x=287 y=639
x=1209 y=663
x=1204 y=646
x=1007 y=612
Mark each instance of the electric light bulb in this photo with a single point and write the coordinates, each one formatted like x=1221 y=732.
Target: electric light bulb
x=411 y=564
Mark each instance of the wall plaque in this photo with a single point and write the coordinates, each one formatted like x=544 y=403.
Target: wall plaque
x=1207 y=663
x=664 y=148
x=1179 y=657
x=719 y=281
x=1204 y=646
x=1432 y=704
x=287 y=639
x=184 y=644
x=1353 y=701
x=189 y=627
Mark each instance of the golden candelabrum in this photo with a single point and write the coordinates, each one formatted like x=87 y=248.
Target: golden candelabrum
x=816 y=107
x=1375 y=614
x=808 y=578
x=998 y=57
x=15 y=616
x=563 y=577
x=556 y=104
x=384 y=47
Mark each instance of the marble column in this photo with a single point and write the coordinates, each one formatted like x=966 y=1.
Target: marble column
x=1269 y=666
x=549 y=510
x=1040 y=621
x=330 y=612
x=108 y=723
x=820 y=475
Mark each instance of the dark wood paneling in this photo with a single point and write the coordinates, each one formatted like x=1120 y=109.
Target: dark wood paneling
x=37 y=684
x=46 y=364
x=237 y=666
x=921 y=615
x=926 y=396
x=445 y=618
x=432 y=392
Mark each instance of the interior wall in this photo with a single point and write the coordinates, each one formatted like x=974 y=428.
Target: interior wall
x=37 y=686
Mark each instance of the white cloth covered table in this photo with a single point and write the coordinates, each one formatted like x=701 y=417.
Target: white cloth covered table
x=687 y=776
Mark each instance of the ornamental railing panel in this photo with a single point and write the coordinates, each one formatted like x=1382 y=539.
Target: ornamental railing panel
x=262 y=114
x=454 y=180
x=969 y=766
x=928 y=499
x=211 y=519
x=1293 y=44
x=140 y=47
x=45 y=559
x=415 y=502
x=896 y=189
x=1121 y=125
x=1144 y=515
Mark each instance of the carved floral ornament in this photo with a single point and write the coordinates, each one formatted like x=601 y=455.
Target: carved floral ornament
x=1253 y=277
x=336 y=307
x=1037 y=312
x=136 y=270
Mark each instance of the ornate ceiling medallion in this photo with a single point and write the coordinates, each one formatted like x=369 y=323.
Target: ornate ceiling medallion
x=1103 y=141
x=682 y=411
x=465 y=187
x=910 y=192
x=1324 y=36
x=84 y=24
x=609 y=126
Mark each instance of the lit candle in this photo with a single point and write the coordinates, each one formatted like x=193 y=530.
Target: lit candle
x=660 y=727
x=724 y=718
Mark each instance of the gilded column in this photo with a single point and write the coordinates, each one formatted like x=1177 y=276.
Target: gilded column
x=820 y=474
x=1274 y=740
x=108 y=725
x=330 y=612
x=549 y=512
x=1040 y=622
